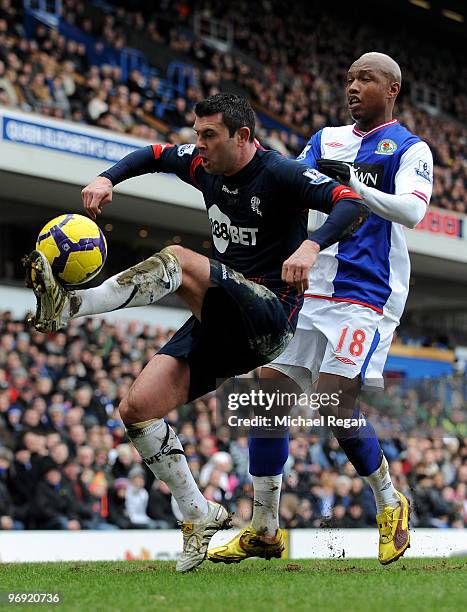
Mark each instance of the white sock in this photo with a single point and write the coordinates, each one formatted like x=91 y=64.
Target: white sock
x=267 y=490
x=140 y=285
x=161 y=450
x=382 y=487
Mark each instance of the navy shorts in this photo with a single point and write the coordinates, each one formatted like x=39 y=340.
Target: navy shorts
x=243 y=325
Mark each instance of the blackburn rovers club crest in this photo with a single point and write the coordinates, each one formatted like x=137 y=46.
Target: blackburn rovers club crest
x=386 y=147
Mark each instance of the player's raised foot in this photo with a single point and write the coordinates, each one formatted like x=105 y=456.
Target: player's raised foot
x=394 y=535
x=248 y=543
x=51 y=298
x=196 y=536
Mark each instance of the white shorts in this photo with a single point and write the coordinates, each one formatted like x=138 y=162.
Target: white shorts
x=337 y=338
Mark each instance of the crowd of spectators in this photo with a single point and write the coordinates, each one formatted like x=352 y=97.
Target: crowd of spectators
x=296 y=79
x=65 y=462
x=299 y=78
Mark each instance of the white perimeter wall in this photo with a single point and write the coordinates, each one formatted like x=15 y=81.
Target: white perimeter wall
x=26 y=546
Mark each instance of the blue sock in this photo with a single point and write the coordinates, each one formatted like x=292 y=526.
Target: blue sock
x=361 y=446
x=268 y=455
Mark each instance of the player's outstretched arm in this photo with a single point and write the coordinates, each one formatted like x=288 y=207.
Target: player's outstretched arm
x=309 y=188
x=155 y=158
x=413 y=186
x=99 y=192
x=347 y=215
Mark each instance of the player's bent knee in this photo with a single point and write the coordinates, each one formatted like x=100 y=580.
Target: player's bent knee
x=181 y=253
x=192 y=263
x=125 y=411
x=132 y=411
x=133 y=408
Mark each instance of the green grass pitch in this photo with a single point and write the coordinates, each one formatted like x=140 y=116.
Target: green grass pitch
x=336 y=585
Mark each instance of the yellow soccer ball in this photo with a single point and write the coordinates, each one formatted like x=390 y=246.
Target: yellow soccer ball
x=75 y=247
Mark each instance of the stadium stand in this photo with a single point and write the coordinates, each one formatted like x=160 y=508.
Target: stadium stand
x=65 y=462
x=94 y=68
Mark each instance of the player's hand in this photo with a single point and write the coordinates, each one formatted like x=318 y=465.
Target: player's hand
x=296 y=269
x=337 y=170
x=96 y=195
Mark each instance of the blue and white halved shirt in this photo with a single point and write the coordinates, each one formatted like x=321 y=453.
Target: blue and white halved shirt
x=372 y=267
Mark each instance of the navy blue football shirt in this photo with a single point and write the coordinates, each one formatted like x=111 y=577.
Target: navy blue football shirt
x=258 y=215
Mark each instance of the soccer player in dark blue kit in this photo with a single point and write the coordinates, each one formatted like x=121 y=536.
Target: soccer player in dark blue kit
x=245 y=300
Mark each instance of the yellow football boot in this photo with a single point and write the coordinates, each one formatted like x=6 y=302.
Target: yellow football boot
x=246 y=544
x=394 y=536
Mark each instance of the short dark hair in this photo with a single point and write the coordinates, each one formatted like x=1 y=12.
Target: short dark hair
x=236 y=111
